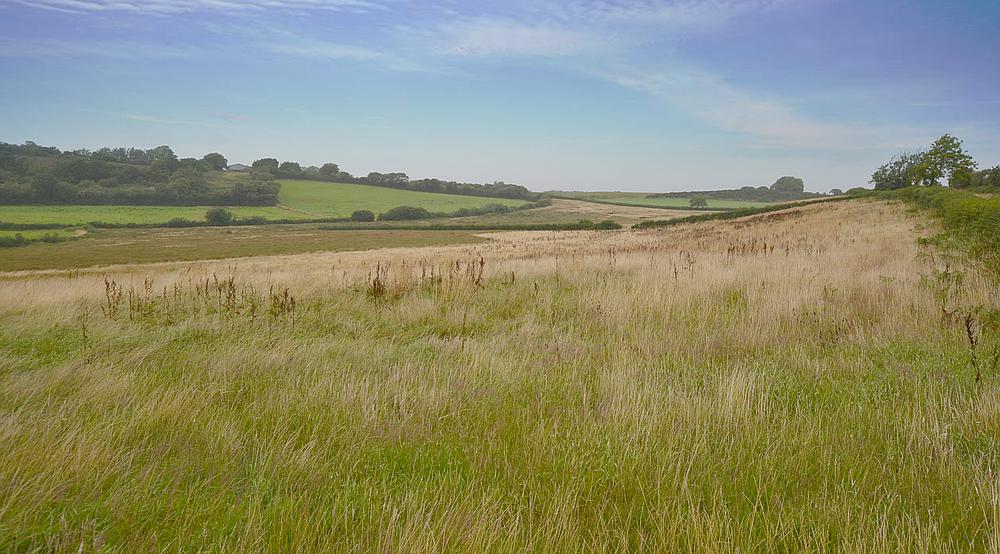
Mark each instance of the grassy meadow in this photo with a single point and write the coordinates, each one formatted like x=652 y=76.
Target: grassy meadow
x=298 y=200
x=794 y=381
x=319 y=199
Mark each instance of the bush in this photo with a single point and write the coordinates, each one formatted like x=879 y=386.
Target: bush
x=404 y=213
x=363 y=215
x=181 y=222
x=16 y=240
x=218 y=217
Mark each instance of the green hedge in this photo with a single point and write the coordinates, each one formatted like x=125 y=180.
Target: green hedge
x=974 y=220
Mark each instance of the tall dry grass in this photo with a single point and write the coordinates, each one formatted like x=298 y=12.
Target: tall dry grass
x=794 y=381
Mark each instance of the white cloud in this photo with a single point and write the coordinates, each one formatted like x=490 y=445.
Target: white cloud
x=318 y=49
x=504 y=38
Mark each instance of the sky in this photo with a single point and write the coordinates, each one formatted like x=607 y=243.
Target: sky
x=631 y=95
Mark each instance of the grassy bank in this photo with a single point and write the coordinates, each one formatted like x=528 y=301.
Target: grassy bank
x=971 y=221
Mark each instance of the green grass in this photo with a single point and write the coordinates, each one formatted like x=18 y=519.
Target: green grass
x=299 y=200
x=640 y=199
x=32 y=234
x=340 y=199
x=123 y=246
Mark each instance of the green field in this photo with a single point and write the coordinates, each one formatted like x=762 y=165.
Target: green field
x=641 y=199
x=33 y=234
x=299 y=200
x=340 y=199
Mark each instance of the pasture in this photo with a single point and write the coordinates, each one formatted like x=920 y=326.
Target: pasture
x=794 y=381
x=299 y=200
x=319 y=199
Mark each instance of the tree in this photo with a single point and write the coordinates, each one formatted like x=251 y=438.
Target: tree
x=218 y=217
x=946 y=158
x=290 y=169
x=402 y=213
x=900 y=172
x=186 y=184
x=698 y=202
x=216 y=161
x=161 y=153
x=836 y=192
x=329 y=170
x=789 y=184
x=363 y=215
x=48 y=188
x=266 y=163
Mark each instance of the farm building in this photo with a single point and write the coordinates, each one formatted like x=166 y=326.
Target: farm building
x=238 y=167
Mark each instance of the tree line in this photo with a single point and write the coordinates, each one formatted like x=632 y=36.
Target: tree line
x=783 y=190
x=33 y=174
x=331 y=172
x=944 y=160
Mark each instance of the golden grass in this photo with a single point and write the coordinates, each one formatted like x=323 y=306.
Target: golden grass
x=791 y=381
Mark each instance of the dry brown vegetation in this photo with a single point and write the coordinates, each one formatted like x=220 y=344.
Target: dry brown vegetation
x=800 y=380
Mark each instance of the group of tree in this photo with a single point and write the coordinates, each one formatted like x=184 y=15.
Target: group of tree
x=331 y=172
x=945 y=160
x=33 y=174
x=784 y=189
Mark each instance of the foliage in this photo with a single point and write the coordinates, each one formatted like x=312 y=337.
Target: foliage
x=784 y=190
x=973 y=220
x=363 y=215
x=789 y=185
x=30 y=174
x=945 y=158
x=216 y=161
x=218 y=217
x=698 y=202
x=402 y=213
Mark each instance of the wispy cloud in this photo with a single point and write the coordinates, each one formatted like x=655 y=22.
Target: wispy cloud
x=183 y=122
x=954 y=103
x=506 y=38
x=770 y=120
x=168 y=7
x=326 y=50
x=112 y=49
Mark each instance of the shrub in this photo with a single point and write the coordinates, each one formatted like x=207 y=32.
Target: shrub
x=181 y=222
x=252 y=220
x=218 y=217
x=363 y=215
x=404 y=213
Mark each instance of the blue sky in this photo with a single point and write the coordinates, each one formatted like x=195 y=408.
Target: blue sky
x=589 y=95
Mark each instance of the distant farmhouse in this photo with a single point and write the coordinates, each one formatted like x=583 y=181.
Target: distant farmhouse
x=238 y=167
